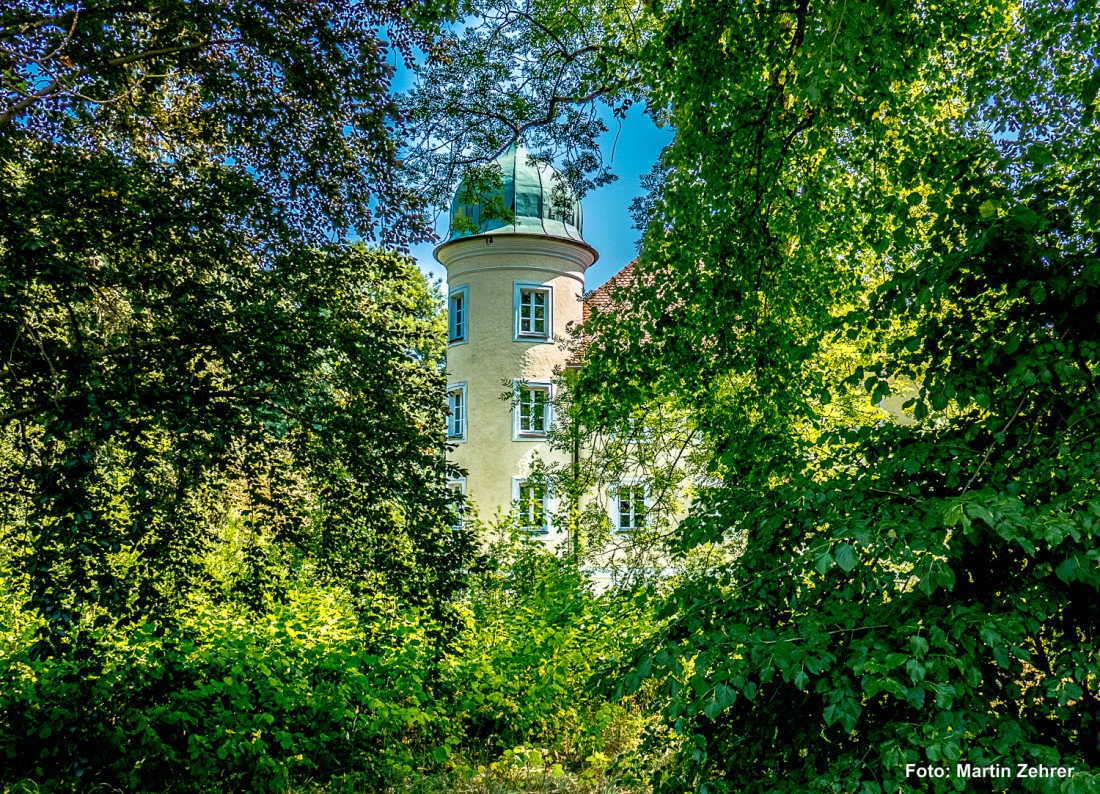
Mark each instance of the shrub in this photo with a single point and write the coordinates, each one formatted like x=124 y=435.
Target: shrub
x=224 y=700
x=522 y=670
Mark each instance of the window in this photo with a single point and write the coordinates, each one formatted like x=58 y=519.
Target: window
x=458 y=487
x=458 y=315
x=532 y=503
x=532 y=410
x=631 y=502
x=534 y=304
x=532 y=312
x=632 y=428
x=456 y=407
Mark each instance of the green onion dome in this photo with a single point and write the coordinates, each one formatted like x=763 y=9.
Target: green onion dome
x=537 y=197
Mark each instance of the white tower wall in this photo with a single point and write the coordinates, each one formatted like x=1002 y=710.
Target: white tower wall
x=489 y=266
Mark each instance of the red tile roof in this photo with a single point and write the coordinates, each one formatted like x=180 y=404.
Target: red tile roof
x=600 y=300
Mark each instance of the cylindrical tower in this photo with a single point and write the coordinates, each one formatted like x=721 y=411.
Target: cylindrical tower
x=513 y=288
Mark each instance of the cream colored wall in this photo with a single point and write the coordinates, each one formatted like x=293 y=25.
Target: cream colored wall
x=489 y=265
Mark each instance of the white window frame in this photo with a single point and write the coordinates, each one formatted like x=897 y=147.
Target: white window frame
x=459 y=484
x=458 y=388
x=518 y=288
x=519 y=387
x=458 y=327
x=547 y=505
x=616 y=504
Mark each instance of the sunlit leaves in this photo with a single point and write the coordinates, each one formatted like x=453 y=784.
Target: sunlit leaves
x=842 y=229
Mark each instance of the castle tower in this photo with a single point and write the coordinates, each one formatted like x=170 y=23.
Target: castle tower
x=513 y=288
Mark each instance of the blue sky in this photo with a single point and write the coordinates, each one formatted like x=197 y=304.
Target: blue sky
x=630 y=147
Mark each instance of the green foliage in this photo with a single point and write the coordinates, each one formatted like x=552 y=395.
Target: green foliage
x=164 y=382
x=317 y=689
x=225 y=700
x=960 y=632
x=850 y=223
x=197 y=378
x=870 y=275
x=535 y=636
x=658 y=451
x=838 y=229
x=293 y=97
x=225 y=559
x=528 y=71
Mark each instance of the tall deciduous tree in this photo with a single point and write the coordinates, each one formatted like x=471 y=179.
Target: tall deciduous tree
x=536 y=70
x=877 y=203
x=294 y=94
x=190 y=361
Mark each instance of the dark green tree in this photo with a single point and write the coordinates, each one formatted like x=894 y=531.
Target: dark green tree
x=293 y=94
x=191 y=362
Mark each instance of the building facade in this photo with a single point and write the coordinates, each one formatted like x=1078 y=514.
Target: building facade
x=515 y=287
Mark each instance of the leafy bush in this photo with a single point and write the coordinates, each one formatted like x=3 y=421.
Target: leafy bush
x=224 y=700
x=522 y=670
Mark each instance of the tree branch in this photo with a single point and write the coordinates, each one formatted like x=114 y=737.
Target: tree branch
x=61 y=84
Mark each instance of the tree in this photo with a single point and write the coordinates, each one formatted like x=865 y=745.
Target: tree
x=151 y=376
x=189 y=366
x=295 y=95
x=534 y=70
x=909 y=593
x=871 y=202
